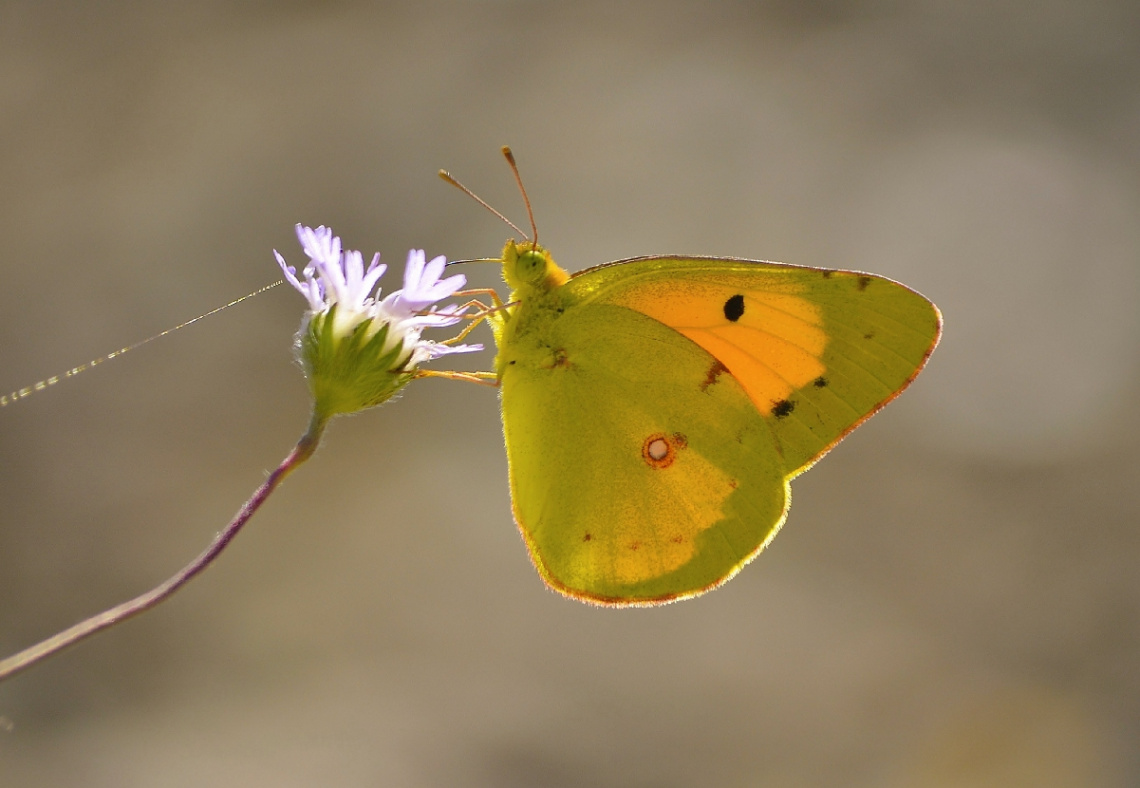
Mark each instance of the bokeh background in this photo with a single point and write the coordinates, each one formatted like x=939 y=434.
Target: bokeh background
x=955 y=598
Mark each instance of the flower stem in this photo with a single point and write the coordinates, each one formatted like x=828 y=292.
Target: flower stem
x=108 y=618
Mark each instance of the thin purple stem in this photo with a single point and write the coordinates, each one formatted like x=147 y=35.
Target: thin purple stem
x=108 y=618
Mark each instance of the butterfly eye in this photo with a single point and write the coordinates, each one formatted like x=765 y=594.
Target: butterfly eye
x=531 y=266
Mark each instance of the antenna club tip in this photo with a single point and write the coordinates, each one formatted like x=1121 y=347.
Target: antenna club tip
x=510 y=156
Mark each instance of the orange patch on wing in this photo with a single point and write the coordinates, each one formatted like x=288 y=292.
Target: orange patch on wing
x=773 y=348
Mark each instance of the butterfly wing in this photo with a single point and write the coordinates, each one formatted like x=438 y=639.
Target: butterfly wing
x=818 y=351
x=635 y=477
x=655 y=410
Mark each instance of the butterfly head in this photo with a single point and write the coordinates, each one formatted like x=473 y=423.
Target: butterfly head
x=529 y=267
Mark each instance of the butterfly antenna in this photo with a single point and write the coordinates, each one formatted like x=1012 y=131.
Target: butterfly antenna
x=27 y=391
x=448 y=177
x=518 y=179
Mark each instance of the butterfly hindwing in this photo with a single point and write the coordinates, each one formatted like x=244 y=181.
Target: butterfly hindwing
x=637 y=475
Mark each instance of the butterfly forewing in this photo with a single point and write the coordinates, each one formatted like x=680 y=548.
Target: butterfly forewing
x=818 y=351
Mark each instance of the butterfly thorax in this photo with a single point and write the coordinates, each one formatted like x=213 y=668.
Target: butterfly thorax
x=535 y=302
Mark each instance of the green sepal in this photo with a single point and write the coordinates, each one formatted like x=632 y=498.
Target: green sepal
x=352 y=372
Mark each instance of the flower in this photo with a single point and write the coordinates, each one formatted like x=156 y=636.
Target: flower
x=357 y=350
x=422 y=285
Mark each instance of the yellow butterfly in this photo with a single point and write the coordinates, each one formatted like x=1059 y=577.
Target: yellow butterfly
x=656 y=409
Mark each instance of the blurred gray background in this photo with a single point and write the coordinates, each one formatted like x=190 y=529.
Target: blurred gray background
x=954 y=600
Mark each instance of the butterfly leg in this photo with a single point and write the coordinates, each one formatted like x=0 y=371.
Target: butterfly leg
x=475 y=319
x=484 y=312
x=487 y=291
x=482 y=378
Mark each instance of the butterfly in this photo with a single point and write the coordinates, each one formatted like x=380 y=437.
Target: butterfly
x=656 y=409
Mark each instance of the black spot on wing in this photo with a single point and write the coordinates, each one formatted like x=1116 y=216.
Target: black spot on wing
x=862 y=282
x=820 y=382
x=783 y=408
x=734 y=308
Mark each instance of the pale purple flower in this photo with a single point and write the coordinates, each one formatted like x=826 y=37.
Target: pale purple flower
x=422 y=285
x=337 y=277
